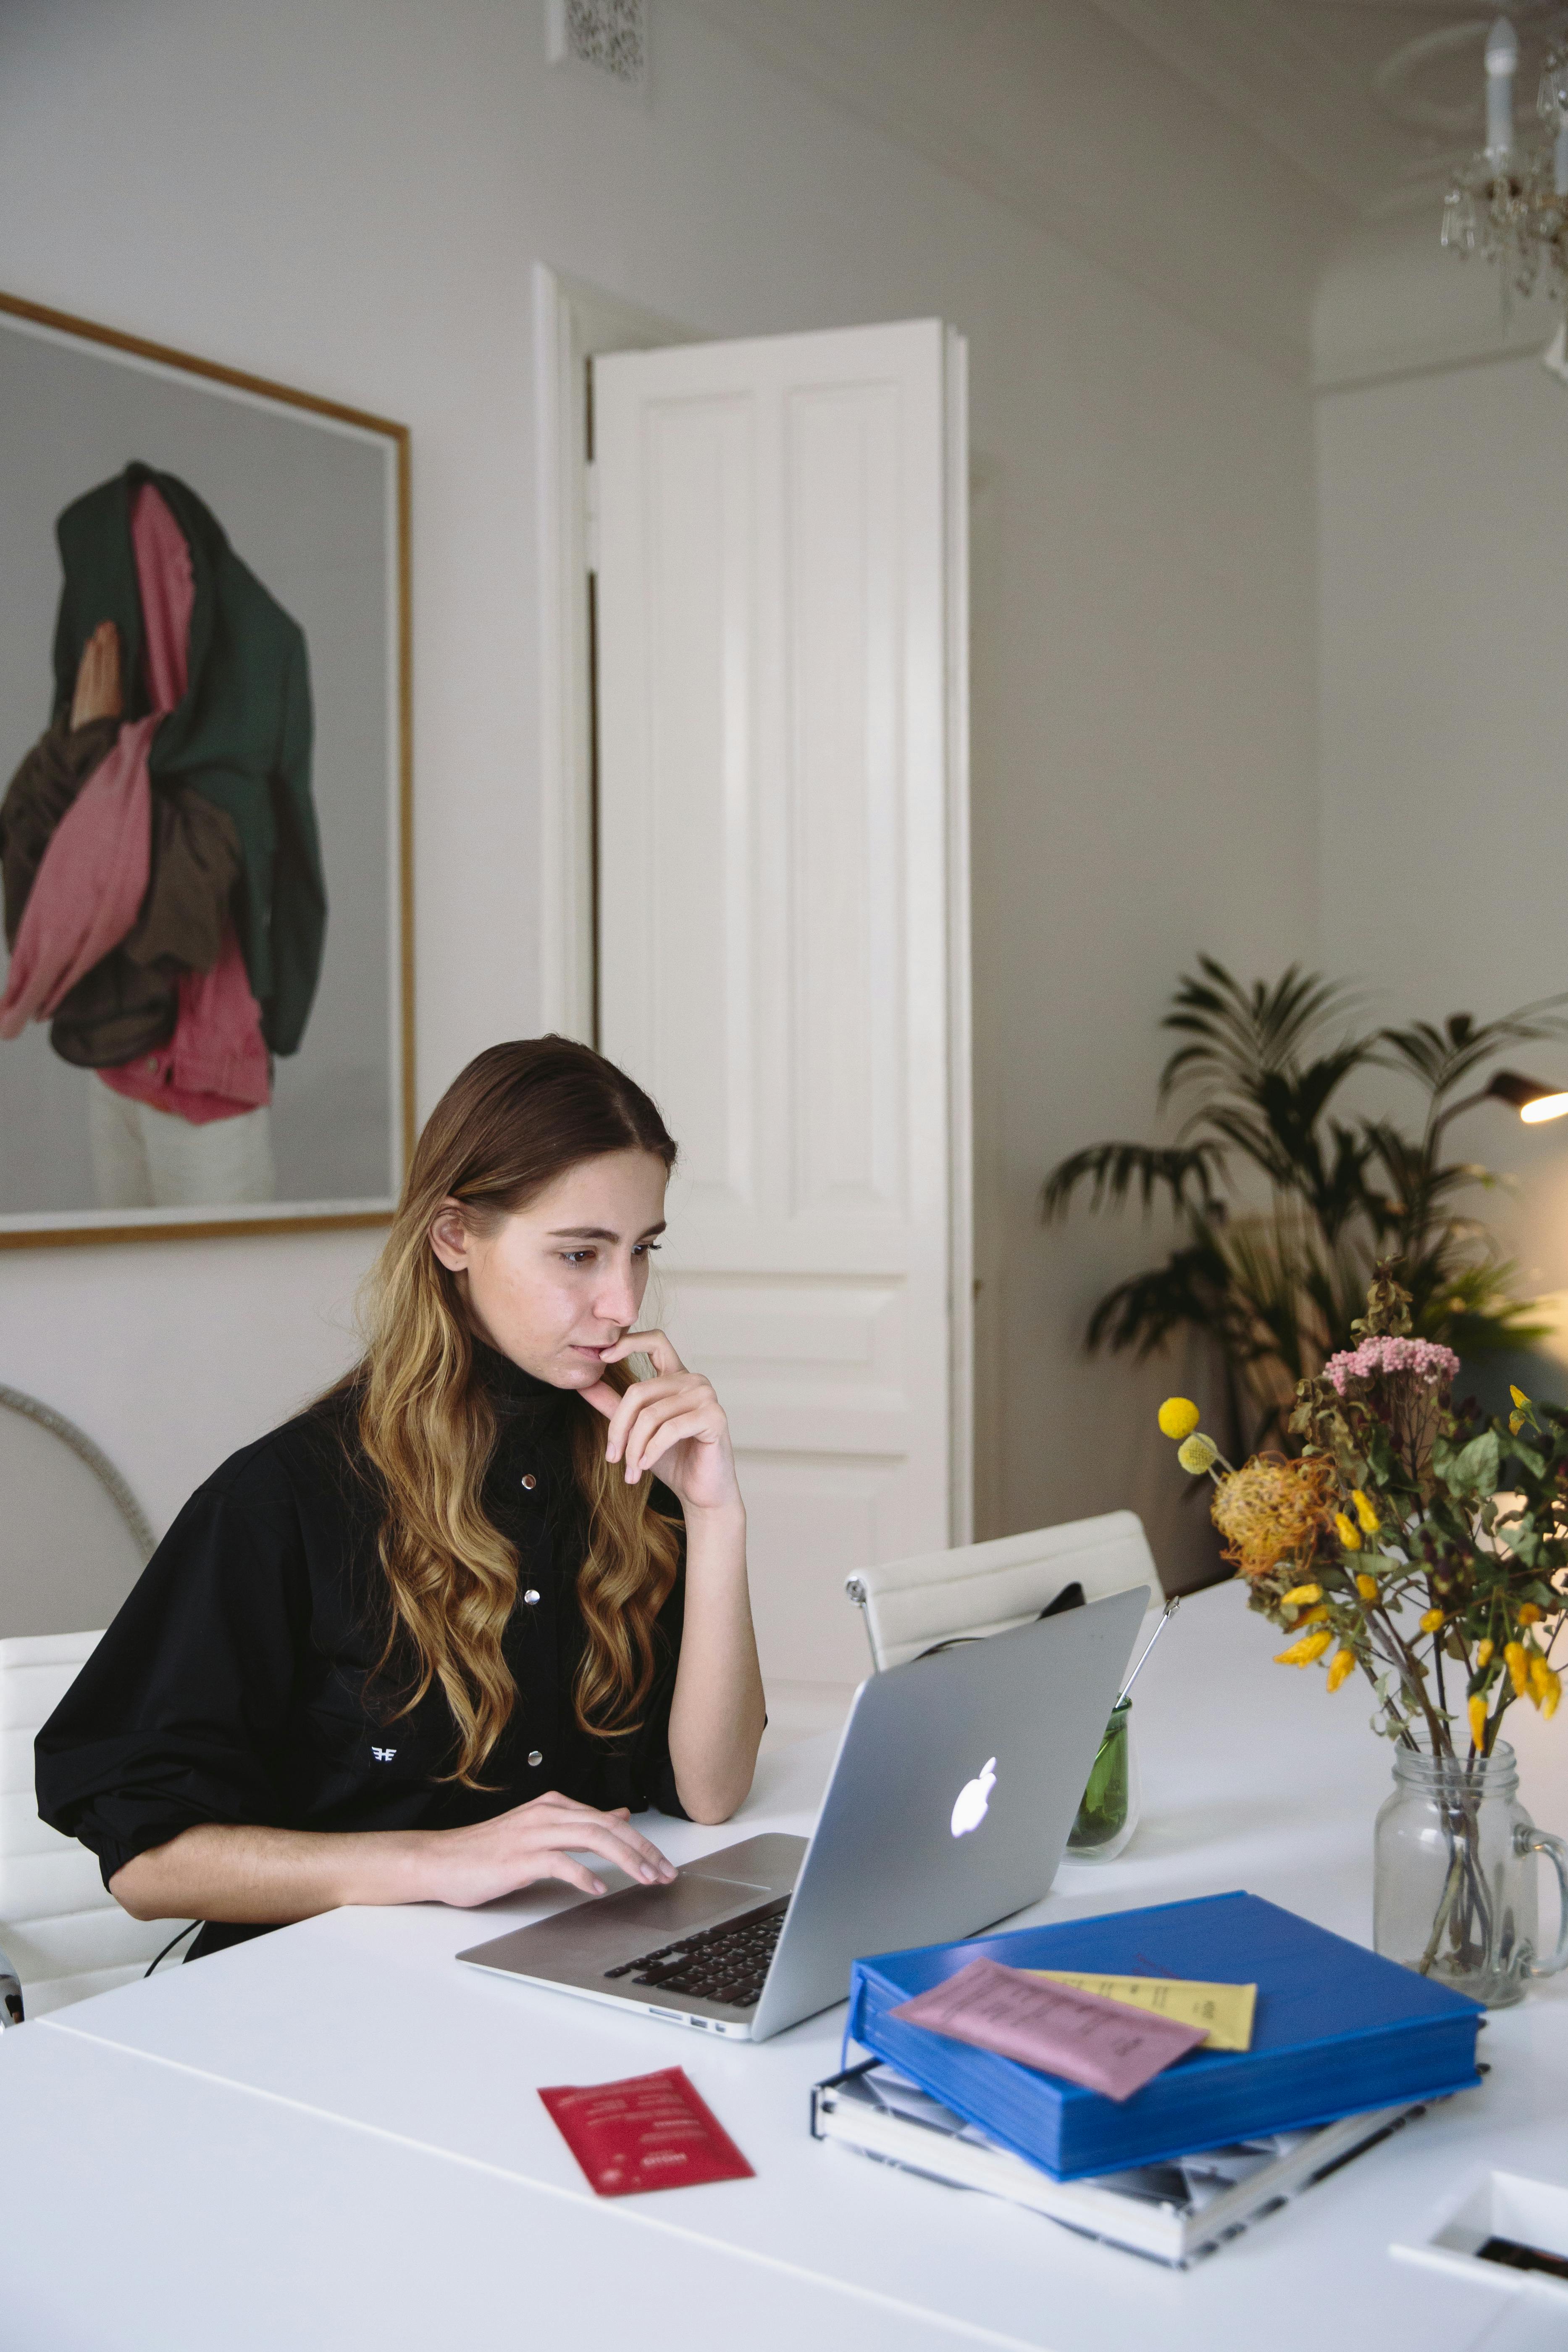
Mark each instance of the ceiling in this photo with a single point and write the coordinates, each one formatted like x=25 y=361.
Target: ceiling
x=1221 y=154
x=1375 y=100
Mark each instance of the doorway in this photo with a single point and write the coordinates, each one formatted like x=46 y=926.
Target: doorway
x=759 y=822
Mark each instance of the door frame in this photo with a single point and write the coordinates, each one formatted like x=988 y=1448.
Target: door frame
x=571 y=322
x=960 y=967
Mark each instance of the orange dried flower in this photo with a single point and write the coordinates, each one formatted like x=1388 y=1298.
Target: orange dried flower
x=1272 y=1508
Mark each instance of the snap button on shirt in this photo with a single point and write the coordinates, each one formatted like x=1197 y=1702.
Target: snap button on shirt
x=530 y=1599
x=530 y=1481
x=535 y=1759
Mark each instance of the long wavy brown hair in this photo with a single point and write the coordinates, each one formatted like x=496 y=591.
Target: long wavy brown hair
x=517 y=1118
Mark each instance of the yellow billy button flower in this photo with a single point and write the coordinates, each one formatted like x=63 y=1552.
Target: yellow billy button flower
x=1197 y=1453
x=1477 y=1711
x=1530 y=1614
x=1518 y=1664
x=1303 y=1653
x=1484 y=1653
x=1301 y=1596
x=1367 y=1587
x=1364 y=1512
x=1347 y=1530
x=1340 y=1665
x=1430 y=1620
x=1179 y=1416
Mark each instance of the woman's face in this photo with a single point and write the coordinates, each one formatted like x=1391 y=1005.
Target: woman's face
x=557 y=1283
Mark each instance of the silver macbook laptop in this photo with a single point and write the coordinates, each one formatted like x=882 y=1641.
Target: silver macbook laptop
x=956 y=1781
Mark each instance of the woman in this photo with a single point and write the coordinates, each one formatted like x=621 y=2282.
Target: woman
x=445 y=1632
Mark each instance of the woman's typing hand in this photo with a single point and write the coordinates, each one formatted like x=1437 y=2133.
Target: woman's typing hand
x=542 y=1839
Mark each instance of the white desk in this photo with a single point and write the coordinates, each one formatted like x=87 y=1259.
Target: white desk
x=330 y=2137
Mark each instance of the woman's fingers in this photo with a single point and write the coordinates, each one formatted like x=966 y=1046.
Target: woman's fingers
x=669 y=1433
x=682 y=1392
x=575 y=1874
x=651 y=1412
x=691 y=1400
x=636 y=1399
x=566 y=1822
x=688 y=1409
x=648 y=1870
x=654 y=1345
x=602 y=1398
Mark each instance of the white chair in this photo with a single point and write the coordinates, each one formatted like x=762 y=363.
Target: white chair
x=63 y=1933
x=911 y=1605
x=73 y=1541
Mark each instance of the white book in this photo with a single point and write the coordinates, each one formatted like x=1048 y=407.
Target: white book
x=1175 y=2212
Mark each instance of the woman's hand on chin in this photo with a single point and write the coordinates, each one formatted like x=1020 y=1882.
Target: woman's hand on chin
x=540 y=1839
x=674 y=1424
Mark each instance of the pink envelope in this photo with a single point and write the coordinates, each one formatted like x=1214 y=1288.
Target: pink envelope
x=1102 y=2044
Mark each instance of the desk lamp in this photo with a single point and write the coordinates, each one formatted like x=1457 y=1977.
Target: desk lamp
x=1535 y=1103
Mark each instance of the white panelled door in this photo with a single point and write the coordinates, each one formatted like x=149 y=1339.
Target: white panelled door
x=783 y=920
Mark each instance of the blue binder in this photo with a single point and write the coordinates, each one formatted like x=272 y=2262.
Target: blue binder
x=1338 y=2030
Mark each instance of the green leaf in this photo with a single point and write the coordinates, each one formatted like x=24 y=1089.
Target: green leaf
x=1475 y=1467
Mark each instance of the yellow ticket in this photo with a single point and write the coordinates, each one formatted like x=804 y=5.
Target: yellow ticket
x=1224 y=2009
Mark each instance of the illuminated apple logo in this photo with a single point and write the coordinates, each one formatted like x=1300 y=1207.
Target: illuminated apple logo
x=973 y=1799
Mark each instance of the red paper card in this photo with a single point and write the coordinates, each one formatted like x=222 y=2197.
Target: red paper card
x=651 y=2131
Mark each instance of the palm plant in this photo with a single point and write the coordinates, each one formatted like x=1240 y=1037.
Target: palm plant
x=1284 y=1201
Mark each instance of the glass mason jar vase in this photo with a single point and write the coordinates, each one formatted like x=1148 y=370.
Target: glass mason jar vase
x=1455 y=1892
x=1108 y=1814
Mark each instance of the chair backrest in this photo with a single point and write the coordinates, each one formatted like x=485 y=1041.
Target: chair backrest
x=62 y=1930
x=73 y=1540
x=989 y=1588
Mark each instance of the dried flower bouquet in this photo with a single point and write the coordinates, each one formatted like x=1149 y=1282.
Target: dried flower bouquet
x=1429 y=1549
x=1425 y=1545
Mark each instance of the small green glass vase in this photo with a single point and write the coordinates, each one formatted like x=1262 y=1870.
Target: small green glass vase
x=1108 y=1814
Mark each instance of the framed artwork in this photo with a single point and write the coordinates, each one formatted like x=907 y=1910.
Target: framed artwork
x=206 y=1015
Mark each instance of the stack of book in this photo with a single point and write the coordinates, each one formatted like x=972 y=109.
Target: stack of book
x=1344 y=2048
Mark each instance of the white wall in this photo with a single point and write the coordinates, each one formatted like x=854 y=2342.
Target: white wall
x=1442 y=513
x=350 y=200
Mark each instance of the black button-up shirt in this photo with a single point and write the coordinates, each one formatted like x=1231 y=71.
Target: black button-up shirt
x=238 y=1683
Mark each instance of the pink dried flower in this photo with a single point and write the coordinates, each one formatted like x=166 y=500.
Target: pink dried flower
x=1426 y=1358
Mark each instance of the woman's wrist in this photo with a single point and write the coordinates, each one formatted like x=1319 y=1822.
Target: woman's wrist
x=386 y=1866
x=728 y=1519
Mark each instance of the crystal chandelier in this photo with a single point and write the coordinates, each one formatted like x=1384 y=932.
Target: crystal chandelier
x=1512 y=199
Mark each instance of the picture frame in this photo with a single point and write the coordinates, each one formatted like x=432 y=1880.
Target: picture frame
x=244 y=545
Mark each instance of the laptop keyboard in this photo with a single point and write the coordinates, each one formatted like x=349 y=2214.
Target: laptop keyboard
x=727 y=1964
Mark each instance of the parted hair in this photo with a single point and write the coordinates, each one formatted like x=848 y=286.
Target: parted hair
x=516 y=1119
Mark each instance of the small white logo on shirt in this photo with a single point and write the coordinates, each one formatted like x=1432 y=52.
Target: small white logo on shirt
x=384 y=1755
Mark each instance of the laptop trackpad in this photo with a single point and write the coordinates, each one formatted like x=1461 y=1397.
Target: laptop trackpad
x=625 y=1925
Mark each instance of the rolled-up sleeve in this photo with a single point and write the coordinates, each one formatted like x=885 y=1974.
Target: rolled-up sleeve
x=176 y=1717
